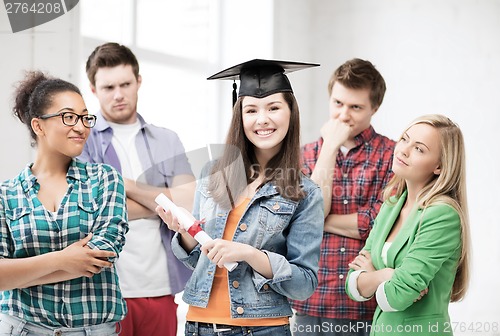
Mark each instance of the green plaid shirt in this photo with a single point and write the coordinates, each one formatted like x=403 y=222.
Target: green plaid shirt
x=94 y=202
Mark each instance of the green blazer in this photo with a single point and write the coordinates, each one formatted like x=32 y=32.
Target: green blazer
x=424 y=254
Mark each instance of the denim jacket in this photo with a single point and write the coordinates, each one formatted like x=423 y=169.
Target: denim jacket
x=289 y=232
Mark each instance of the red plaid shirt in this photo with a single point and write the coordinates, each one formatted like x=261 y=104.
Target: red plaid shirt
x=359 y=178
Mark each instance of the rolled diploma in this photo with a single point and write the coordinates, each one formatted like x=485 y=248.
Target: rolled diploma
x=186 y=220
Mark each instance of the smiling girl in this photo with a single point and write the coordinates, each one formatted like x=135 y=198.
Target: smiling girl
x=62 y=223
x=268 y=221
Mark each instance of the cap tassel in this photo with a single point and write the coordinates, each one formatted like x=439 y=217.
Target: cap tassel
x=234 y=93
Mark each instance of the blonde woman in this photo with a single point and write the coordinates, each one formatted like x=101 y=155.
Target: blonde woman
x=415 y=260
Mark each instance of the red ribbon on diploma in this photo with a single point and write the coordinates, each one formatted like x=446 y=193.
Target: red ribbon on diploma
x=195 y=228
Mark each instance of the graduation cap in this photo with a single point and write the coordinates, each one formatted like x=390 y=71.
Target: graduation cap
x=260 y=78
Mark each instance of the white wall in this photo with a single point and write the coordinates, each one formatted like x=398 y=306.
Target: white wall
x=53 y=48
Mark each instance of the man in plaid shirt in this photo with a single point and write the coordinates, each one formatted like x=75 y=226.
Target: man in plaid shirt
x=352 y=164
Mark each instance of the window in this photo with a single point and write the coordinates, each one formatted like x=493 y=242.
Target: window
x=178 y=45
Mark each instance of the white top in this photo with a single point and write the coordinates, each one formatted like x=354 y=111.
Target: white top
x=385 y=248
x=142 y=266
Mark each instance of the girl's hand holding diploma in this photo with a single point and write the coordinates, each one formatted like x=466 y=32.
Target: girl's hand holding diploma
x=178 y=219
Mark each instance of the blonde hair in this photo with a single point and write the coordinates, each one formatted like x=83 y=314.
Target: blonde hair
x=448 y=187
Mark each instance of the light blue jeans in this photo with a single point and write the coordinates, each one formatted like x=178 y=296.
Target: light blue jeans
x=14 y=326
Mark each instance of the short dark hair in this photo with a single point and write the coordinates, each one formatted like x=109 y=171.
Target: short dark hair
x=110 y=55
x=360 y=74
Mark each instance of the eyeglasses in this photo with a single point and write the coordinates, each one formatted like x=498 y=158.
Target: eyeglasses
x=71 y=118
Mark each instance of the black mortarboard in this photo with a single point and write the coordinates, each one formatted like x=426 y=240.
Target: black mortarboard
x=260 y=78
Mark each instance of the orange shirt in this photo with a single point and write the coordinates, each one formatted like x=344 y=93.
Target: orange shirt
x=218 y=309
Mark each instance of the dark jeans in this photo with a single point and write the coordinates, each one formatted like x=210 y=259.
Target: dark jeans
x=205 y=329
x=306 y=325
